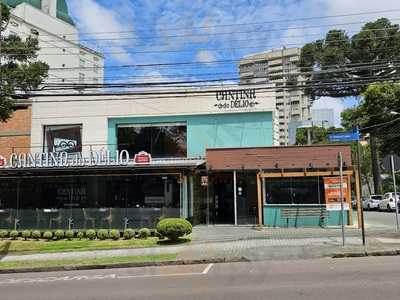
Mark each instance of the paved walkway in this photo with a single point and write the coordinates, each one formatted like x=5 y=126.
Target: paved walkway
x=237 y=242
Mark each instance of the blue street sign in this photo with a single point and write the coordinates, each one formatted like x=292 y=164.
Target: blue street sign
x=348 y=136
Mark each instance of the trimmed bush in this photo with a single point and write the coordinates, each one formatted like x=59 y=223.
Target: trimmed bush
x=144 y=233
x=69 y=234
x=115 y=234
x=59 y=234
x=80 y=235
x=14 y=234
x=91 y=234
x=36 y=234
x=129 y=234
x=102 y=234
x=26 y=234
x=174 y=228
x=48 y=235
x=3 y=234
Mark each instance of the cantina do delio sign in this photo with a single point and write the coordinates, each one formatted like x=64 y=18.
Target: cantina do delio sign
x=64 y=159
x=232 y=99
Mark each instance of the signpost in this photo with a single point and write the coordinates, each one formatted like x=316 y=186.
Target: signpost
x=352 y=136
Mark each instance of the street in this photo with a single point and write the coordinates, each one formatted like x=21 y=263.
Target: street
x=378 y=219
x=357 y=278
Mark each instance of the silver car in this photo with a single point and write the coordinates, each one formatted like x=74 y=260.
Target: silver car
x=372 y=202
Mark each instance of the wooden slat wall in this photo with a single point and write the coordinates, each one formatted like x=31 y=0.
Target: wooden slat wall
x=292 y=157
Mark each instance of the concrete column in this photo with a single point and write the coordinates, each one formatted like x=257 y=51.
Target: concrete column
x=235 y=197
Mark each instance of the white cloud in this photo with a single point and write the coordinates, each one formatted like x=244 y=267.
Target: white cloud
x=328 y=102
x=205 y=56
x=93 y=18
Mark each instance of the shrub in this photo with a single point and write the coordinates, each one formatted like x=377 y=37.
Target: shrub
x=36 y=234
x=59 y=234
x=69 y=234
x=102 y=234
x=91 y=234
x=115 y=234
x=80 y=235
x=14 y=234
x=48 y=235
x=144 y=233
x=174 y=228
x=129 y=234
x=26 y=234
x=3 y=234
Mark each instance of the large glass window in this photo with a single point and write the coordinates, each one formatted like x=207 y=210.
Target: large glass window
x=160 y=140
x=67 y=138
x=295 y=190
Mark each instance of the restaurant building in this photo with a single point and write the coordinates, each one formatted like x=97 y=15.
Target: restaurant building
x=119 y=161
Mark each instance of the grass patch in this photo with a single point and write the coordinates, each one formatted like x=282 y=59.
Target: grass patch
x=87 y=261
x=31 y=246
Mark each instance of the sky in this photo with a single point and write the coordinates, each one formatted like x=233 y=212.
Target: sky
x=210 y=31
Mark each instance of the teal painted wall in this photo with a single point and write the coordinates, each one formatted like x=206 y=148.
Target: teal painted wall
x=211 y=131
x=272 y=218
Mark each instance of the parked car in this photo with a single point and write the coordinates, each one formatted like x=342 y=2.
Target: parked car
x=372 y=202
x=388 y=202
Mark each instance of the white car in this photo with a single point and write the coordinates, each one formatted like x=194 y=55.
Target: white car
x=372 y=202
x=388 y=202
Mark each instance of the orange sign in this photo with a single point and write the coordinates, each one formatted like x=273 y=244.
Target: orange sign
x=332 y=193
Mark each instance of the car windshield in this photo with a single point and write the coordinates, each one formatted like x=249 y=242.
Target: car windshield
x=376 y=197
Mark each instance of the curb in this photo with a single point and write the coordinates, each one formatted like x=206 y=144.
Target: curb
x=125 y=265
x=367 y=253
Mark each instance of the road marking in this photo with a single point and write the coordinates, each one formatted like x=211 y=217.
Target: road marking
x=207 y=269
x=98 y=277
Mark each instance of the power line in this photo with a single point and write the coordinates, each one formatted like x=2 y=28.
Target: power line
x=230 y=40
x=242 y=24
x=352 y=83
x=223 y=33
x=195 y=49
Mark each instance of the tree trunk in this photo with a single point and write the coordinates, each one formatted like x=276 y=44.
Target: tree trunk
x=376 y=173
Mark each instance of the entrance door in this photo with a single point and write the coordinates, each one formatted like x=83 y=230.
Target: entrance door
x=223 y=199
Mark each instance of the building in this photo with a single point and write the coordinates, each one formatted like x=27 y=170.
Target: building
x=323 y=117
x=280 y=68
x=49 y=21
x=16 y=132
x=101 y=161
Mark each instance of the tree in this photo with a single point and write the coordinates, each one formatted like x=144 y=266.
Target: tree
x=377 y=113
x=333 y=63
x=19 y=73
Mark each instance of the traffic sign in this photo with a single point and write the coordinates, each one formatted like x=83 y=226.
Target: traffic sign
x=347 y=136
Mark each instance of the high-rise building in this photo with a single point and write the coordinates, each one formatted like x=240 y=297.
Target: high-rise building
x=49 y=21
x=280 y=68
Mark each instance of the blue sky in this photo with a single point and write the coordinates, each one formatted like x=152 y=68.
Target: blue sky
x=145 y=32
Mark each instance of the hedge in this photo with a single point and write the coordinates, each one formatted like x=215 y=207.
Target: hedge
x=174 y=228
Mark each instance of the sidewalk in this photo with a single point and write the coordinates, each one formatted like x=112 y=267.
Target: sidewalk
x=245 y=242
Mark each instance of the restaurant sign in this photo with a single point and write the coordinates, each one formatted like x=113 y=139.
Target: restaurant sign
x=64 y=159
x=231 y=99
x=332 y=193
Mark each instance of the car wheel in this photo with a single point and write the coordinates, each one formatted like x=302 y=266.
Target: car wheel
x=388 y=208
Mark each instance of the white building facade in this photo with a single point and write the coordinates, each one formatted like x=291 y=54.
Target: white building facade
x=50 y=22
x=280 y=68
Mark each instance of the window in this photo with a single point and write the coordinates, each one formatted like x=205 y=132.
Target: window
x=34 y=31
x=67 y=138
x=96 y=68
x=160 y=140
x=81 y=63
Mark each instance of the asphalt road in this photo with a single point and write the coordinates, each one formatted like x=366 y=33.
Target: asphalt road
x=358 y=278
x=377 y=219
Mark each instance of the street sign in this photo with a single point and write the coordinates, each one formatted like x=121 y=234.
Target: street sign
x=347 y=136
x=387 y=163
